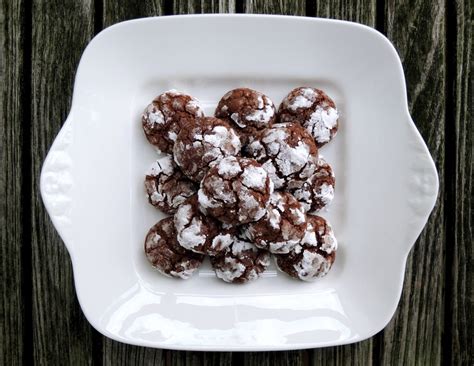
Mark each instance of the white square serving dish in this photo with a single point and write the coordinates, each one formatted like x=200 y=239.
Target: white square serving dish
x=92 y=181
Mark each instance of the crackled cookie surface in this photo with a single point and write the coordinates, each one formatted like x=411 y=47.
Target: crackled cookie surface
x=249 y=110
x=235 y=191
x=287 y=152
x=281 y=228
x=166 y=255
x=313 y=258
x=198 y=232
x=166 y=186
x=163 y=118
x=203 y=143
x=318 y=191
x=241 y=262
x=314 y=110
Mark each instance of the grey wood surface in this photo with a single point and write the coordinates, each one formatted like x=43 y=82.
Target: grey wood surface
x=60 y=30
x=40 y=46
x=460 y=254
x=419 y=316
x=12 y=42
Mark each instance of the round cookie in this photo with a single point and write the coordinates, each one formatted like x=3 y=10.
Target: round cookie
x=248 y=109
x=164 y=117
x=166 y=255
x=203 y=142
x=315 y=255
x=287 y=152
x=318 y=191
x=241 y=262
x=283 y=226
x=314 y=110
x=198 y=232
x=235 y=191
x=166 y=185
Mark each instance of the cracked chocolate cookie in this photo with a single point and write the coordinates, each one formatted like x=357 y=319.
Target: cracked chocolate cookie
x=318 y=191
x=198 y=232
x=249 y=110
x=283 y=226
x=241 y=262
x=166 y=255
x=235 y=191
x=164 y=117
x=314 y=110
x=315 y=255
x=203 y=142
x=166 y=186
x=287 y=152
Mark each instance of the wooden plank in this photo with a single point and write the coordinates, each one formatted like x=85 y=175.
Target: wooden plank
x=286 y=7
x=361 y=11
x=414 y=336
x=119 y=11
x=178 y=358
x=61 y=30
x=460 y=319
x=12 y=36
x=284 y=358
x=116 y=353
x=203 y=6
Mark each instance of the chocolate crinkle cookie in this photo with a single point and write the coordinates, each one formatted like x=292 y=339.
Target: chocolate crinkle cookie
x=287 y=152
x=164 y=117
x=314 y=110
x=318 y=191
x=166 y=186
x=283 y=226
x=235 y=191
x=198 y=232
x=166 y=255
x=203 y=142
x=315 y=255
x=241 y=262
x=248 y=109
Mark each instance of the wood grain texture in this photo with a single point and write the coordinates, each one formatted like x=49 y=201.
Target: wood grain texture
x=290 y=358
x=11 y=182
x=461 y=285
x=288 y=7
x=119 y=11
x=61 y=30
x=414 y=336
x=203 y=6
x=361 y=11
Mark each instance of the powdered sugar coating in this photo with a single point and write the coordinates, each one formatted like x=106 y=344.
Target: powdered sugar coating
x=314 y=110
x=204 y=142
x=313 y=258
x=197 y=232
x=283 y=226
x=166 y=255
x=286 y=151
x=241 y=262
x=318 y=191
x=235 y=190
x=166 y=186
x=164 y=117
x=248 y=109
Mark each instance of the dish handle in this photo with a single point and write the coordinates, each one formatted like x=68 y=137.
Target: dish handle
x=57 y=182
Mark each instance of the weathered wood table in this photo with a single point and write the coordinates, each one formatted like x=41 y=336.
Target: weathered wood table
x=40 y=45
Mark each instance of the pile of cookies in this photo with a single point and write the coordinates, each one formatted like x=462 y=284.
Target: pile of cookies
x=241 y=185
